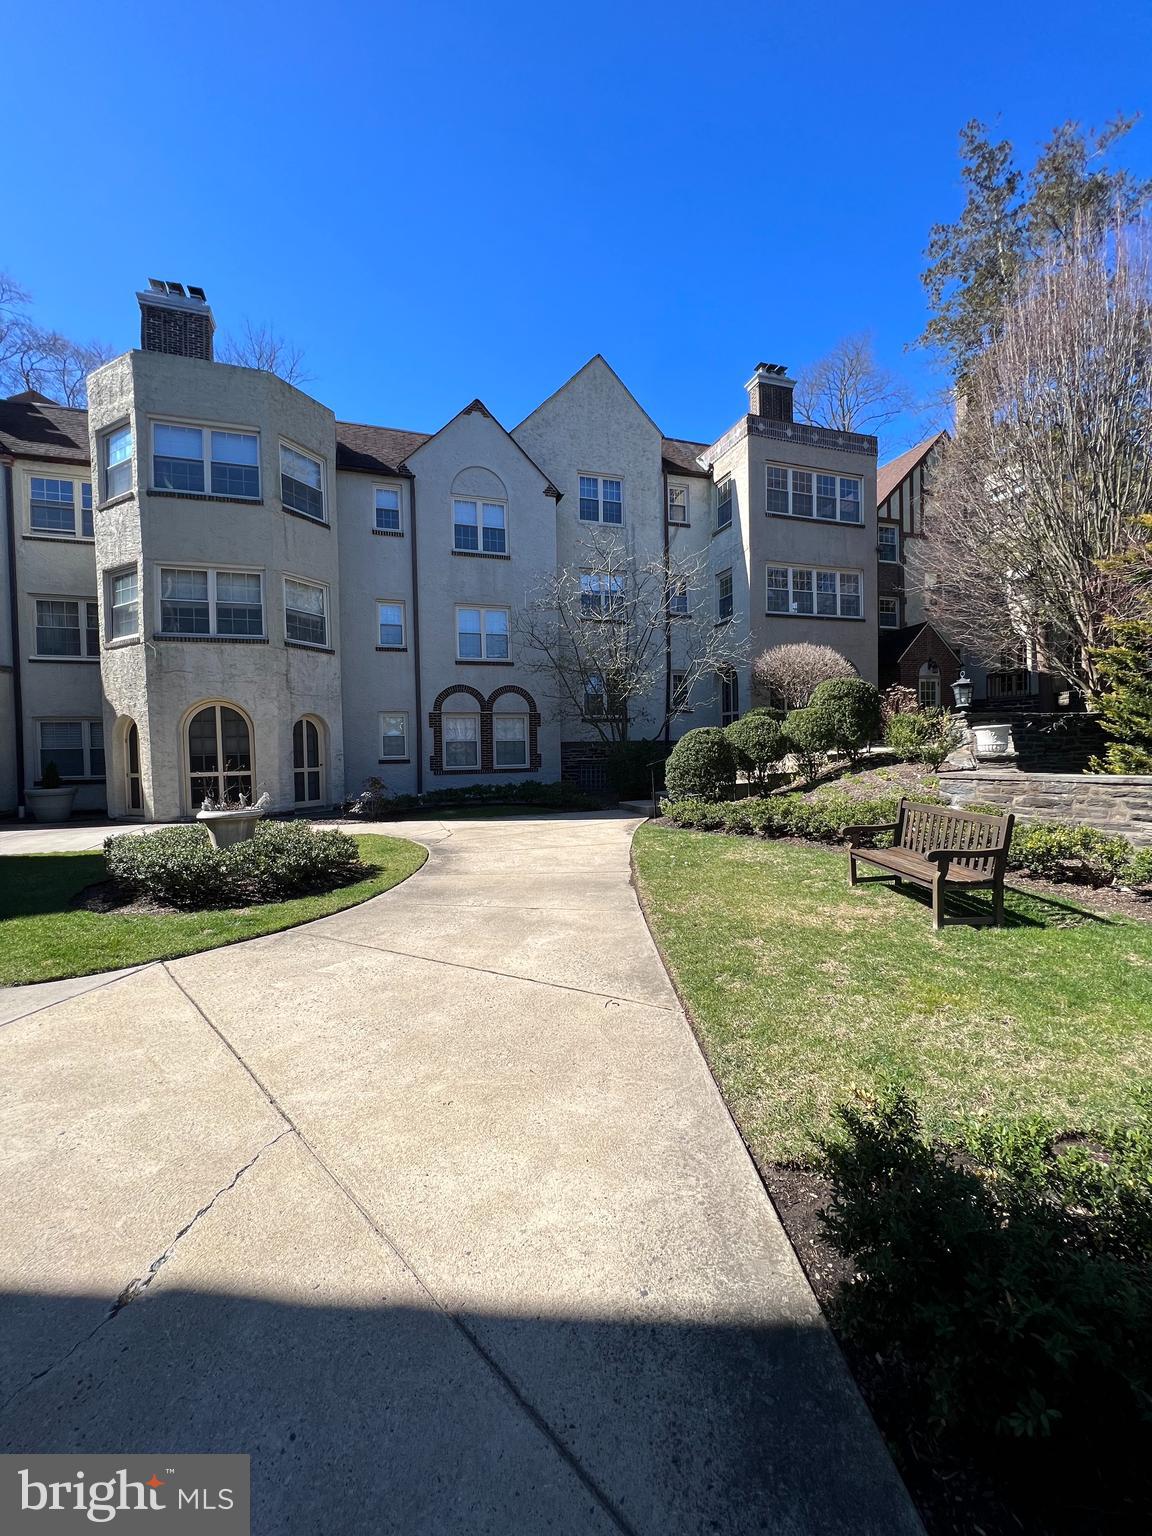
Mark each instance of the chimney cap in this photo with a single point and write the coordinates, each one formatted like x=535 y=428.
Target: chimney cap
x=161 y=293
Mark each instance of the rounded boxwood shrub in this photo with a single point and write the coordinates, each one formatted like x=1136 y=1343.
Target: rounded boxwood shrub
x=702 y=766
x=757 y=741
x=854 y=707
x=179 y=867
x=811 y=734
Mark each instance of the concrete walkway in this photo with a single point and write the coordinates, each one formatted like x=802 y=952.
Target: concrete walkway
x=432 y=1208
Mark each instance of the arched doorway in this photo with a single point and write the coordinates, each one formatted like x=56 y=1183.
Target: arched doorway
x=133 y=794
x=308 y=761
x=219 y=743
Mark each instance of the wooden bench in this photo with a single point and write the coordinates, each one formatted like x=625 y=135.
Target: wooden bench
x=935 y=847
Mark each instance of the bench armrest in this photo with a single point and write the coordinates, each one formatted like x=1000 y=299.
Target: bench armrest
x=852 y=835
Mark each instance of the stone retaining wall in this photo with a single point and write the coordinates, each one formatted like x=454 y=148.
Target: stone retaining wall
x=1119 y=802
x=1048 y=743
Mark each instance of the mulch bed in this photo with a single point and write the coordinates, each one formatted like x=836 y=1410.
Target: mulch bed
x=107 y=897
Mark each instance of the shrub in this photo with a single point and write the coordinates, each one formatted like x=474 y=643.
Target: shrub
x=376 y=802
x=853 y=706
x=50 y=778
x=898 y=700
x=702 y=765
x=926 y=736
x=1126 y=706
x=1006 y=1281
x=1056 y=850
x=811 y=735
x=821 y=818
x=179 y=867
x=791 y=673
x=758 y=744
x=1136 y=870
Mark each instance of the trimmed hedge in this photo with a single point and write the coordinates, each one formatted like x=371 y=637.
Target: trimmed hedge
x=179 y=867
x=852 y=705
x=1052 y=850
x=702 y=764
x=758 y=742
x=377 y=802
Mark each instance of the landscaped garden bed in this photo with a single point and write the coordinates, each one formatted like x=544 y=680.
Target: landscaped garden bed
x=1016 y=1045
x=169 y=893
x=378 y=803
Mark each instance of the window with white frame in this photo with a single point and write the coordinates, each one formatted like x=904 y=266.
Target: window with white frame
x=678 y=597
x=807 y=493
x=205 y=461
x=390 y=626
x=67 y=628
x=302 y=483
x=928 y=685
x=724 y=595
x=482 y=634
x=211 y=602
x=393 y=736
x=888 y=612
x=510 y=741
x=805 y=590
x=305 y=612
x=53 y=503
x=76 y=747
x=601 y=499
x=461 y=740
x=888 y=543
x=116 y=461
x=387 y=509
x=123 y=606
x=725 y=493
x=480 y=527
x=595 y=697
x=680 y=694
x=729 y=696
x=601 y=595
x=677 y=503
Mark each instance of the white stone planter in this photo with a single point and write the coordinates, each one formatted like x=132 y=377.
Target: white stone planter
x=51 y=804
x=992 y=741
x=226 y=828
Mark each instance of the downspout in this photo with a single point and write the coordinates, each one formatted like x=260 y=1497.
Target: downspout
x=416 y=637
x=667 y=616
x=14 y=616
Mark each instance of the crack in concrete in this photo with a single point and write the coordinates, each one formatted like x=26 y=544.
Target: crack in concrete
x=137 y=1286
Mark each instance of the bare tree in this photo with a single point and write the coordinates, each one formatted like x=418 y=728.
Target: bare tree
x=1040 y=488
x=601 y=631
x=32 y=358
x=259 y=346
x=848 y=389
x=791 y=673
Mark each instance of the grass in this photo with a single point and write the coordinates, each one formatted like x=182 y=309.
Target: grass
x=803 y=991
x=43 y=937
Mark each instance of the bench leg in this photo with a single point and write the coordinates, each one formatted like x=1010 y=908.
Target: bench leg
x=937 y=903
x=851 y=868
x=998 y=905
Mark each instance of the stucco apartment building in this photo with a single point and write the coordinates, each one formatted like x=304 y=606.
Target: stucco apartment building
x=212 y=586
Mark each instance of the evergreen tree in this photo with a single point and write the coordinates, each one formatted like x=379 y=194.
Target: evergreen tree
x=1125 y=668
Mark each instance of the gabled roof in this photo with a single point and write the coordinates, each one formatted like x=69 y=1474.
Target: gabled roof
x=375 y=450
x=889 y=476
x=478 y=407
x=893 y=643
x=680 y=457
x=597 y=357
x=32 y=427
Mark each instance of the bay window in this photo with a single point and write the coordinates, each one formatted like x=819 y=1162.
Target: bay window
x=305 y=612
x=302 y=483
x=205 y=461
x=123 y=604
x=117 y=462
x=210 y=602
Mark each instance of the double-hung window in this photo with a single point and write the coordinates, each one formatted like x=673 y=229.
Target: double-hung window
x=123 y=607
x=482 y=634
x=480 y=527
x=723 y=596
x=724 y=496
x=67 y=627
x=394 y=736
x=677 y=503
x=510 y=741
x=888 y=612
x=209 y=602
x=461 y=741
x=76 y=747
x=888 y=543
x=806 y=493
x=52 y=506
x=601 y=500
x=205 y=461
x=387 y=509
x=802 y=590
x=681 y=694
x=601 y=595
x=305 y=612
x=117 y=462
x=390 y=624
x=302 y=483
x=678 y=597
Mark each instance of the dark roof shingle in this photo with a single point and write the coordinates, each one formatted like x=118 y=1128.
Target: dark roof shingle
x=889 y=476
x=680 y=456
x=41 y=429
x=375 y=450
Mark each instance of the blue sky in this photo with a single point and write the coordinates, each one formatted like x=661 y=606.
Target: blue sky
x=440 y=201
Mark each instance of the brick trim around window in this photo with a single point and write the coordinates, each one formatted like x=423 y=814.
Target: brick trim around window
x=487 y=754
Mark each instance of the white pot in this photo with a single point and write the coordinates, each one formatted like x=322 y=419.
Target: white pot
x=51 y=804
x=993 y=741
x=226 y=828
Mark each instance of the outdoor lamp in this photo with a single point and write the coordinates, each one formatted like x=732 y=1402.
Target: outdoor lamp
x=962 y=688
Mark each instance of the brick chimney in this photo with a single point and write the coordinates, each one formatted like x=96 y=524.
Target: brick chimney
x=175 y=320
x=770 y=392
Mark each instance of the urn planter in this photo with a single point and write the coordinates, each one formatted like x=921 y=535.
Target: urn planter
x=226 y=828
x=51 y=804
x=992 y=741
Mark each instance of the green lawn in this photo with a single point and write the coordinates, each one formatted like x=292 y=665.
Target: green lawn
x=803 y=990
x=43 y=937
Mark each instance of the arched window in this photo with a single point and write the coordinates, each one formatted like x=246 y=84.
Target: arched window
x=928 y=689
x=133 y=798
x=219 y=755
x=307 y=762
